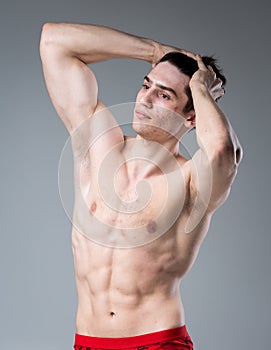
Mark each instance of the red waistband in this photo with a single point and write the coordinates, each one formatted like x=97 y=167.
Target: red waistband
x=138 y=340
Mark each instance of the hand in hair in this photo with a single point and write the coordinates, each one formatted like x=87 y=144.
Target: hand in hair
x=161 y=50
x=206 y=76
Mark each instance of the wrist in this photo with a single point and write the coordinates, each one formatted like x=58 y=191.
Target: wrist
x=158 y=52
x=199 y=90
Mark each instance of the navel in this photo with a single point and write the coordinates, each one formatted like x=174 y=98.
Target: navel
x=93 y=208
x=152 y=227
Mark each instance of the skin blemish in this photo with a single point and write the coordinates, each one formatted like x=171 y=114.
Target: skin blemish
x=93 y=208
x=112 y=314
x=152 y=227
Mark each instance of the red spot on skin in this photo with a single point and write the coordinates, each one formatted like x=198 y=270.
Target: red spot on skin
x=93 y=208
x=152 y=227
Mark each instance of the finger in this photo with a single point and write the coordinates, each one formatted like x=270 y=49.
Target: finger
x=217 y=93
x=216 y=80
x=190 y=54
x=217 y=89
x=211 y=68
x=216 y=84
x=201 y=65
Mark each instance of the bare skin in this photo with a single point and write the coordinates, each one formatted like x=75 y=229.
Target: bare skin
x=132 y=249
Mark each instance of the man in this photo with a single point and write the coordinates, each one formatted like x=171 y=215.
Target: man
x=141 y=209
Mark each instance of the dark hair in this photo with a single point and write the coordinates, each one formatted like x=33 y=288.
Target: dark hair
x=189 y=66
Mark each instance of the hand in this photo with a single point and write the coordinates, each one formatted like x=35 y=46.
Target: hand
x=207 y=77
x=161 y=50
x=217 y=90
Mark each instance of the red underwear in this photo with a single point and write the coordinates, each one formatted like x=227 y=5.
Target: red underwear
x=171 y=339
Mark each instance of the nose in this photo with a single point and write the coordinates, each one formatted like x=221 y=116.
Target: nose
x=146 y=98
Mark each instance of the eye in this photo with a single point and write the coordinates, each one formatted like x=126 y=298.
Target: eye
x=164 y=96
x=145 y=86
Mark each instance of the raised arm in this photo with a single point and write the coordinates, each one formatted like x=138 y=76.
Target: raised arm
x=67 y=49
x=215 y=163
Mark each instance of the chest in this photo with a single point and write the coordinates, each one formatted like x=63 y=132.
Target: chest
x=116 y=209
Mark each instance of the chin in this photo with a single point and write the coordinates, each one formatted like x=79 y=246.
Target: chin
x=147 y=132
x=142 y=127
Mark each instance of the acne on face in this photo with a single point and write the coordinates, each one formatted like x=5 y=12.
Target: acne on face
x=165 y=86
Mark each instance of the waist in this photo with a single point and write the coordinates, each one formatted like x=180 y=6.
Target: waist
x=106 y=316
x=133 y=341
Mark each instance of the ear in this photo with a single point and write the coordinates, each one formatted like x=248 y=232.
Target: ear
x=191 y=119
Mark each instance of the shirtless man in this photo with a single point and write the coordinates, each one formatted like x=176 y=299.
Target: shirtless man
x=136 y=236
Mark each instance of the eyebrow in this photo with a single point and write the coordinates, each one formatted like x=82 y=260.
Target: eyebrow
x=166 y=88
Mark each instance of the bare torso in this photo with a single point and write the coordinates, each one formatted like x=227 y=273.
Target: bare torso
x=140 y=213
x=131 y=252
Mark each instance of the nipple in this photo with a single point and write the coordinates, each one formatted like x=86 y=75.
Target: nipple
x=93 y=208
x=152 y=227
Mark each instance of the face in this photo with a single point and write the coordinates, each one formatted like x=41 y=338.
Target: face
x=159 y=113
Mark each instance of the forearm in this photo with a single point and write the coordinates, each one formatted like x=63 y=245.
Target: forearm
x=91 y=43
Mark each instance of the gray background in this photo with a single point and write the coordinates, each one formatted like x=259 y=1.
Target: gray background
x=227 y=293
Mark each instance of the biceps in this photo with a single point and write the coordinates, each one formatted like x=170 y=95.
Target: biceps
x=72 y=87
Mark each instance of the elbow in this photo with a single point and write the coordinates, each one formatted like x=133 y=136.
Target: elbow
x=48 y=36
x=47 y=32
x=238 y=154
x=228 y=157
x=45 y=37
x=48 y=26
x=233 y=153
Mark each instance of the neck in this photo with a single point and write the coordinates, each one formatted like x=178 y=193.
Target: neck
x=146 y=158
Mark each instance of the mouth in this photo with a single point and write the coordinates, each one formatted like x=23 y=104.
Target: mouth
x=141 y=115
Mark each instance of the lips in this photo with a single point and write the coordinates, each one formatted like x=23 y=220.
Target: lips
x=141 y=115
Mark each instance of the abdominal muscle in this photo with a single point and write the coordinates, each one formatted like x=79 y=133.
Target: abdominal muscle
x=130 y=288
x=126 y=292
